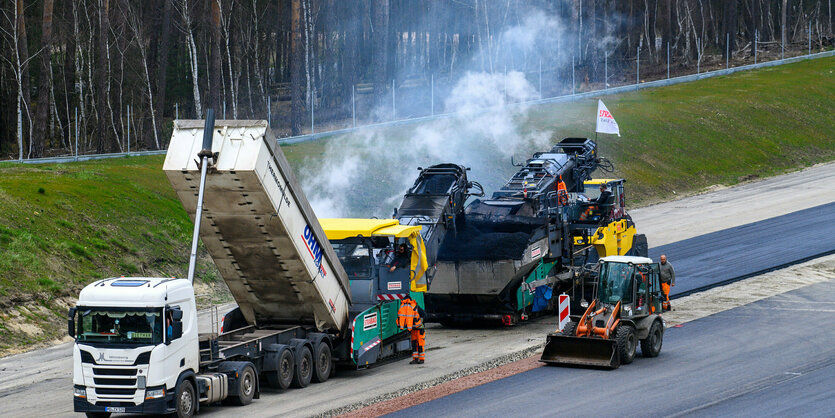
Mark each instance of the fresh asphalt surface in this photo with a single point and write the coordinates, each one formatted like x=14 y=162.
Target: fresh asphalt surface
x=750 y=249
x=775 y=357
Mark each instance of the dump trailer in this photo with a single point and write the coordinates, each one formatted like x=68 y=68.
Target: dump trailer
x=137 y=346
x=625 y=312
x=511 y=252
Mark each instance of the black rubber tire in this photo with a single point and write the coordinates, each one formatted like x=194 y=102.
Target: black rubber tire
x=283 y=376
x=627 y=343
x=98 y=414
x=322 y=361
x=186 y=400
x=570 y=329
x=247 y=383
x=304 y=367
x=651 y=345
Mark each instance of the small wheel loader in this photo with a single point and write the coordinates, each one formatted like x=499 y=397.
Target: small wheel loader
x=625 y=312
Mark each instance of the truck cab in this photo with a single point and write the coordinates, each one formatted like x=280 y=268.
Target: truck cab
x=135 y=340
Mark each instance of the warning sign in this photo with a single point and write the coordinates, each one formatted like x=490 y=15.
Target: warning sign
x=535 y=252
x=369 y=321
x=395 y=285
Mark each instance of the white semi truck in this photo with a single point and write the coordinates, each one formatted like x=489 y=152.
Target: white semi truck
x=138 y=348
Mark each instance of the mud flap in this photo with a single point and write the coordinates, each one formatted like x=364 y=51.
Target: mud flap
x=580 y=351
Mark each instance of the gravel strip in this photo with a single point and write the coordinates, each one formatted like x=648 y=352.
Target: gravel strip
x=489 y=365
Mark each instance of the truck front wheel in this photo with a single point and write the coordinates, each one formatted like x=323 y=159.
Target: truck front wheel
x=246 y=387
x=186 y=400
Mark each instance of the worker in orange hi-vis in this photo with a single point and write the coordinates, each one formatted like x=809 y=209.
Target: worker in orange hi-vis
x=668 y=279
x=562 y=192
x=410 y=317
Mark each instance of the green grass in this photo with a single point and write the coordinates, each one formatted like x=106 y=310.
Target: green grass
x=65 y=225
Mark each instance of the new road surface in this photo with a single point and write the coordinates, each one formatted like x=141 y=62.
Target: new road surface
x=774 y=357
x=747 y=250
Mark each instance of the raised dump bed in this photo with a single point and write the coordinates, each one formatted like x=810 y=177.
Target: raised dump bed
x=258 y=226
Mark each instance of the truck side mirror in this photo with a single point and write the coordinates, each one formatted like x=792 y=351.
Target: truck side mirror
x=71 y=322
x=176 y=329
x=176 y=314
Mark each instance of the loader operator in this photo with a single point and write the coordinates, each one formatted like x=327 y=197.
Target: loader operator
x=410 y=317
x=667 y=279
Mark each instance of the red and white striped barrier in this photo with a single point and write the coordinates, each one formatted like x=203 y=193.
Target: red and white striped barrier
x=393 y=296
x=563 y=310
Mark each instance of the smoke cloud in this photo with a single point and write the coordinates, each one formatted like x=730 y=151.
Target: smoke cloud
x=367 y=172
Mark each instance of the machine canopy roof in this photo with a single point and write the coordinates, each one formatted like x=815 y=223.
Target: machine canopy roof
x=342 y=228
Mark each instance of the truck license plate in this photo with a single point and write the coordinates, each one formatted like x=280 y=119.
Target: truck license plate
x=117 y=409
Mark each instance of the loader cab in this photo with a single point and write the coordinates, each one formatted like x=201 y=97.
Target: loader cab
x=615 y=208
x=632 y=281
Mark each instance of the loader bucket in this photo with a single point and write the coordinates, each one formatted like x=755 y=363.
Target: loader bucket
x=580 y=351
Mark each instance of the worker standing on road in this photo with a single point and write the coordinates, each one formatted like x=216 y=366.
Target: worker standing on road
x=410 y=317
x=668 y=278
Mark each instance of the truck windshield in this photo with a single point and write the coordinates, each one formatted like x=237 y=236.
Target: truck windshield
x=119 y=326
x=616 y=282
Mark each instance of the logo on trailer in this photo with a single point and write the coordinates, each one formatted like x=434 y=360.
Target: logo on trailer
x=333 y=307
x=395 y=286
x=313 y=248
x=369 y=321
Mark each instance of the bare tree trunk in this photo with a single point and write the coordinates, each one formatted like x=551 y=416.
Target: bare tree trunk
x=162 y=66
x=103 y=143
x=224 y=22
x=45 y=83
x=296 y=59
x=783 y=27
x=215 y=68
x=138 y=33
x=191 y=46
x=380 y=46
x=22 y=45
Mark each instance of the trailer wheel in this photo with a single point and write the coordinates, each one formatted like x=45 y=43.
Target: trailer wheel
x=186 y=400
x=246 y=387
x=304 y=367
x=651 y=345
x=323 y=362
x=282 y=377
x=627 y=343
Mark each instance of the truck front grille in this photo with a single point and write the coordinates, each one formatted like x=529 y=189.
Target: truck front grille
x=114 y=372
x=114 y=382
x=112 y=391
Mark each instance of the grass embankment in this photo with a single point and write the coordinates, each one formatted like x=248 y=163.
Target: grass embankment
x=63 y=226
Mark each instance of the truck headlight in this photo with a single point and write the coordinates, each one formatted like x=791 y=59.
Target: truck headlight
x=155 y=393
x=79 y=392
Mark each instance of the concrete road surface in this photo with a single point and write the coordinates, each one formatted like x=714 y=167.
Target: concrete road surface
x=774 y=357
